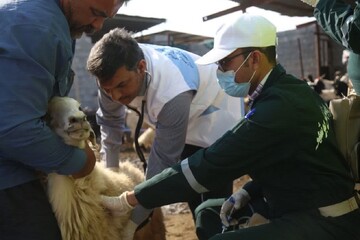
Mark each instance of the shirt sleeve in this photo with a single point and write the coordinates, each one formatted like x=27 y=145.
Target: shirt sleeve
x=253 y=189
x=31 y=58
x=111 y=118
x=340 y=21
x=171 y=130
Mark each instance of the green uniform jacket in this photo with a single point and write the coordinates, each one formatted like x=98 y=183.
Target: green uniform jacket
x=285 y=143
x=342 y=23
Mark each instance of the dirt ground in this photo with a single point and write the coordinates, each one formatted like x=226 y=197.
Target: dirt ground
x=179 y=226
x=178 y=219
x=179 y=222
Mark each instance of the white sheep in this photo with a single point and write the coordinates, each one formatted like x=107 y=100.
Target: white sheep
x=76 y=202
x=146 y=139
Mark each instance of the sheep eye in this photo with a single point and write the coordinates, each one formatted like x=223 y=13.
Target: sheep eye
x=72 y=120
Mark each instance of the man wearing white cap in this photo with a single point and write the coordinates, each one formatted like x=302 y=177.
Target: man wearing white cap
x=286 y=143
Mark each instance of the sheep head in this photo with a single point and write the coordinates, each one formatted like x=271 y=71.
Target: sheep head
x=66 y=118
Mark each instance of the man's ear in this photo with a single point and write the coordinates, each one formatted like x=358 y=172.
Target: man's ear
x=92 y=137
x=256 y=58
x=142 y=65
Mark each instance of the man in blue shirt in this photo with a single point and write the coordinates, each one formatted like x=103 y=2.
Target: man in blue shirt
x=36 y=51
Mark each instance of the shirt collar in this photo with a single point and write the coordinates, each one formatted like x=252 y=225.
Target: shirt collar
x=258 y=89
x=145 y=84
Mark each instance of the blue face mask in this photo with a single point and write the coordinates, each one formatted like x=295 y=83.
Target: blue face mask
x=227 y=82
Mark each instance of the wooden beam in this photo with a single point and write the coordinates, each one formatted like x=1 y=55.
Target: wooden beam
x=222 y=13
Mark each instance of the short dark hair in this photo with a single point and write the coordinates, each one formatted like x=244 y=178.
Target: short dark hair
x=114 y=50
x=269 y=52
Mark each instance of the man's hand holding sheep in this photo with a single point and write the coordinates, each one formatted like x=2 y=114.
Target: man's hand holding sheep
x=118 y=206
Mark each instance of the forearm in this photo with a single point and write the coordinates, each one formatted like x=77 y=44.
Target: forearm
x=41 y=149
x=170 y=186
x=89 y=165
x=171 y=133
x=111 y=118
x=132 y=200
x=111 y=140
x=161 y=156
x=253 y=189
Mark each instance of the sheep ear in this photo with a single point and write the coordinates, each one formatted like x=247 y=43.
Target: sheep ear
x=92 y=137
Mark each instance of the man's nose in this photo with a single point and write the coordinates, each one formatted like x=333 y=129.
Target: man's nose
x=98 y=23
x=115 y=94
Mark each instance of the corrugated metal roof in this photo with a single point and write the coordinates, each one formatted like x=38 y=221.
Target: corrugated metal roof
x=172 y=37
x=131 y=23
x=285 y=7
x=290 y=8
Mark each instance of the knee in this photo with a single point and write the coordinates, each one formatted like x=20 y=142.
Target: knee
x=207 y=220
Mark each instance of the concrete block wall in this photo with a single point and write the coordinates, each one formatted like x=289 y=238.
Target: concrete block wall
x=84 y=88
x=305 y=39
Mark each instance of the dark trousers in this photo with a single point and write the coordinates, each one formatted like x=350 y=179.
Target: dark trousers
x=208 y=222
x=26 y=214
x=222 y=192
x=304 y=225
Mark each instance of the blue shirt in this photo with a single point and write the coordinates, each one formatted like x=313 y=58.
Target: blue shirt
x=35 y=60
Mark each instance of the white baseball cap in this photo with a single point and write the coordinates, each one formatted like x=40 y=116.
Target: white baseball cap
x=244 y=31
